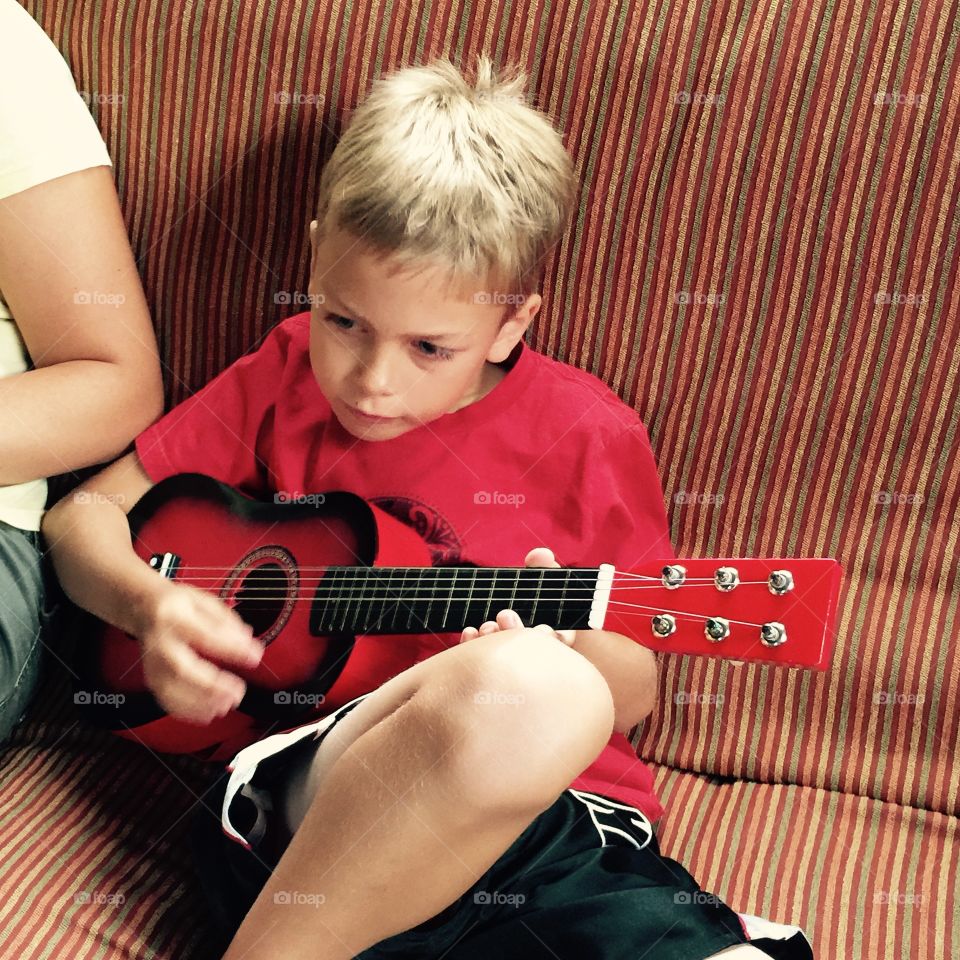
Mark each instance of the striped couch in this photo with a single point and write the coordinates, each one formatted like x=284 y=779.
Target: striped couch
x=763 y=262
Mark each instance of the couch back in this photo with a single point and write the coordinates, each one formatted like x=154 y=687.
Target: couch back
x=763 y=262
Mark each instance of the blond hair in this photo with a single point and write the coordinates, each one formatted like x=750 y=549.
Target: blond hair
x=433 y=170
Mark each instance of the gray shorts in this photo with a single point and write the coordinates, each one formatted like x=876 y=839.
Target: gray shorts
x=28 y=600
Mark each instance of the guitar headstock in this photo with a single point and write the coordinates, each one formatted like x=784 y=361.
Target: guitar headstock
x=767 y=610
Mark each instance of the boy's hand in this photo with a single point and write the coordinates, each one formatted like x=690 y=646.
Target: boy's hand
x=508 y=620
x=184 y=630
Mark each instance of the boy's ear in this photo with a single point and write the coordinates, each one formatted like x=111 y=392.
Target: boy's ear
x=514 y=328
x=313 y=246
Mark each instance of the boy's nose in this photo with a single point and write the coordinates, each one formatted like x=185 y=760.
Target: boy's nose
x=373 y=380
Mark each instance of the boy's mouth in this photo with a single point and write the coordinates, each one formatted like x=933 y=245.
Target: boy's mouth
x=366 y=418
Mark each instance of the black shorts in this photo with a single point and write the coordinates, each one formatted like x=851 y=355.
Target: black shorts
x=586 y=879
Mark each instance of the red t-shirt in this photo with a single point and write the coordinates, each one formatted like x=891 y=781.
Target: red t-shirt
x=558 y=436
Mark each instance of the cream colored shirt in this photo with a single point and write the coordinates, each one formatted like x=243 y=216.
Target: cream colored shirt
x=46 y=131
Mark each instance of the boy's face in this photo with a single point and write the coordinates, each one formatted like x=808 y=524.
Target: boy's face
x=400 y=347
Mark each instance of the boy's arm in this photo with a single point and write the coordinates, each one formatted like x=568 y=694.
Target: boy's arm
x=181 y=628
x=630 y=670
x=89 y=541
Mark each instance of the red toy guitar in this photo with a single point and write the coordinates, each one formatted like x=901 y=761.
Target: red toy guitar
x=329 y=579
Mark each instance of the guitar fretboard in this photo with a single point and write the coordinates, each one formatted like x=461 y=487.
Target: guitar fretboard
x=447 y=599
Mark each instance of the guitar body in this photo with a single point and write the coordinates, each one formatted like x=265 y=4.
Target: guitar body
x=262 y=559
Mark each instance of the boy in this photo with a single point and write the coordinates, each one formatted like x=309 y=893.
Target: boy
x=461 y=800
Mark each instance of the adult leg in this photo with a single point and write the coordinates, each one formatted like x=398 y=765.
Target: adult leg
x=438 y=772
x=22 y=599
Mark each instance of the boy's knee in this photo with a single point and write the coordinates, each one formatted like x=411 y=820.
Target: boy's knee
x=528 y=714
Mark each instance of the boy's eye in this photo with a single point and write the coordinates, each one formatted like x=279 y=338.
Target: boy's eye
x=432 y=351
x=333 y=318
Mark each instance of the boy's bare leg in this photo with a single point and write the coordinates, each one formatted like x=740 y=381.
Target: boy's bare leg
x=424 y=801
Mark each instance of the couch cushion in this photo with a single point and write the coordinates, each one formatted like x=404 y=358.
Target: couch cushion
x=763 y=262
x=93 y=842
x=94 y=855
x=861 y=877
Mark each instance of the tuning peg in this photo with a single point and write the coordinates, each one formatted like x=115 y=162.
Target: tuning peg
x=663 y=624
x=717 y=629
x=726 y=578
x=780 y=582
x=772 y=634
x=673 y=576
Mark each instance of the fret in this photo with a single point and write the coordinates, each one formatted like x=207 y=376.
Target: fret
x=343 y=606
x=413 y=603
x=563 y=590
x=446 y=611
x=400 y=593
x=473 y=584
x=380 y=596
x=329 y=582
x=494 y=573
x=516 y=584
x=375 y=580
x=536 y=599
x=428 y=619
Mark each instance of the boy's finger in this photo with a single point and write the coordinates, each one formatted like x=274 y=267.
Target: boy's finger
x=540 y=557
x=219 y=638
x=508 y=620
x=197 y=688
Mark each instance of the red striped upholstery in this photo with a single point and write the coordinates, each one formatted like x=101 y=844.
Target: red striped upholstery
x=763 y=262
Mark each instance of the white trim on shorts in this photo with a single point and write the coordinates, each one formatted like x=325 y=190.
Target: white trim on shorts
x=244 y=764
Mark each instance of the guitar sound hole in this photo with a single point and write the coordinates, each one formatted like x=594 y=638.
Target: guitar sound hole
x=261 y=597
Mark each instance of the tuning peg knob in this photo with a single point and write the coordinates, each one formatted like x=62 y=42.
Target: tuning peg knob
x=780 y=582
x=773 y=634
x=663 y=624
x=726 y=578
x=717 y=629
x=673 y=576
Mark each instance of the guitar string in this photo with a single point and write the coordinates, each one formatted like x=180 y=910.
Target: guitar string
x=619 y=604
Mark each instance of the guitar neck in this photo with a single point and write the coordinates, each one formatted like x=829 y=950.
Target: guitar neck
x=371 y=600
